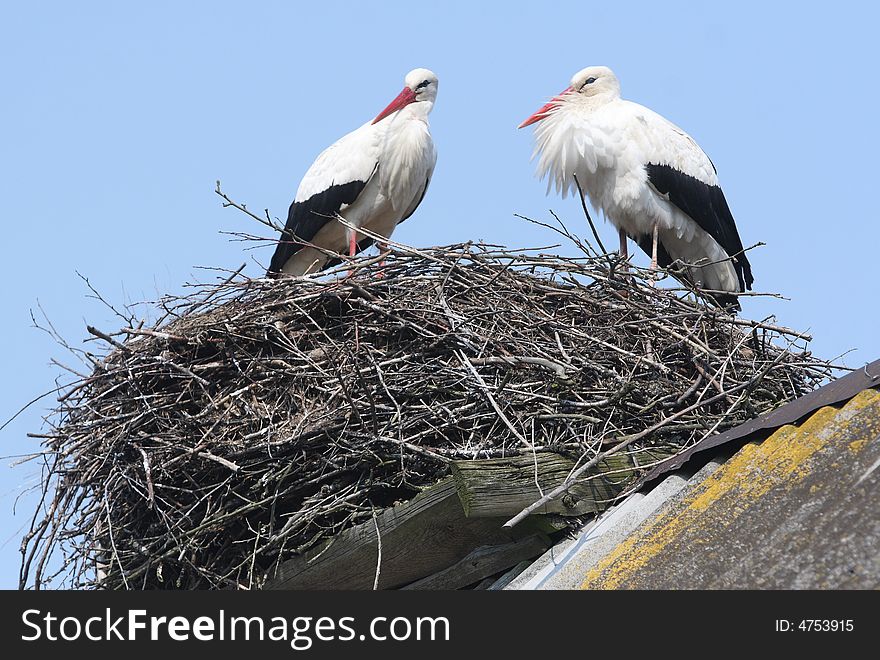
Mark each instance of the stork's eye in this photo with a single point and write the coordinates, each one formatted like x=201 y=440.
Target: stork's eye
x=422 y=84
x=588 y=81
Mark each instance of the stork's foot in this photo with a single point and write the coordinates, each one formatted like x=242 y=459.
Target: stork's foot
x=382 y=247
x=654 y=275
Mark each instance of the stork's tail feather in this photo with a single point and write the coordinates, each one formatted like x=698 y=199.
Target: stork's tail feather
x=715 y=275
x=285 y=249
x=744 y=272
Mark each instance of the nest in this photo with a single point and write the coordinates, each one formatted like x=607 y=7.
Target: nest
x=256 y=418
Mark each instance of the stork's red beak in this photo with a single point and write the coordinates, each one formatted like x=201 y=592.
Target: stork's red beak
x=403 y=99
x=544 y=111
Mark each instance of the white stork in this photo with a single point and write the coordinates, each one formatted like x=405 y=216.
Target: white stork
x=649 y=178
x=374 y=178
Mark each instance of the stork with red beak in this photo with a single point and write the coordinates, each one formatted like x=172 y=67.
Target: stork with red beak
x=649 y=178
x=374 y=178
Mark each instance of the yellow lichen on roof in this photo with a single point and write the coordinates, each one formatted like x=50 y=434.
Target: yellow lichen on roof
x=767 y=469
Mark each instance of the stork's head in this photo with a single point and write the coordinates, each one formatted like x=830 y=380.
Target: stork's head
x=594 y=82
x=420 y=85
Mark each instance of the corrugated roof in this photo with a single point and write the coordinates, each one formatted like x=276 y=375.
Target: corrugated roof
x=797 y=510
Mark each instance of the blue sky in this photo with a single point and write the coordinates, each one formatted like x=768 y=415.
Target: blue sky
x=117 y=118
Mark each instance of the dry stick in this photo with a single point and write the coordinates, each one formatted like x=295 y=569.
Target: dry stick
x=466 y=362
x=241 y=207
x=127 y=319
x=775 y=328
x=216 y=289
x=710 y=378
x=562 y=230
x=569 y=481
x=37 y=531
x=219 y=459
x=32 y=402
x=379 y=557
x=185 y=371
x=110 y=532
x=561 y=348
x=103 y=335
x=424 y=451
x=638 y=358
x=148 y=474
x=254 y=558
x=558 y=368
x=152 y=333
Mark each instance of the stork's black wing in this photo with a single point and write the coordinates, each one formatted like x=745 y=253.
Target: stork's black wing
x=706 y=205
x=306 y=218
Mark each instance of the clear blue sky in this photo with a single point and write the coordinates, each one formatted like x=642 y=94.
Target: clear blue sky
x=117 y=118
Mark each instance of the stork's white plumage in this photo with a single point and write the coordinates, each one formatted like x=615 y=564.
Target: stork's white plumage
x=650 y=179
x=374 y=178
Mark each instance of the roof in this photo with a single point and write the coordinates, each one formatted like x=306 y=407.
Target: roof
x=795 y=509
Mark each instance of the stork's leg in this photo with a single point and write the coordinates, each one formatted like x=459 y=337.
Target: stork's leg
x=654 y=250
x=352 y=248
x=654 y=247
x=624 y=255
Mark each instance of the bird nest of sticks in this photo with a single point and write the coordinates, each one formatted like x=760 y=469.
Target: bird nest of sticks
x=256 y=418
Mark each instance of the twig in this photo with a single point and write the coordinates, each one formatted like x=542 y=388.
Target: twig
x=227 y=202
x=379 y=553
x=103 y=335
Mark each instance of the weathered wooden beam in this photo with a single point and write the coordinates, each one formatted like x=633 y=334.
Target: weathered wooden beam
x=502 y=487
x=443 y=524
x=483 y=562
x=509 y=576
x=419 y=538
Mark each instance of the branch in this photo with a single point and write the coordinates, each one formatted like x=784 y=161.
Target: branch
x=227 y=202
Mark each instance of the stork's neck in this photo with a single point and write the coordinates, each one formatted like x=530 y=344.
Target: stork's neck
x=418 y=111
x=589 y=104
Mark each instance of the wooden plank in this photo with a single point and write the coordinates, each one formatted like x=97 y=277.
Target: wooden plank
x=419 y=537
x=509 y=576
x=483 y=562
x=483 y=585
x=502 y=487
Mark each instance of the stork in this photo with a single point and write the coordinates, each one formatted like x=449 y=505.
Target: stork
x=374 y=178
x=650 y=179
